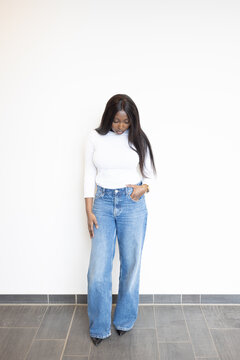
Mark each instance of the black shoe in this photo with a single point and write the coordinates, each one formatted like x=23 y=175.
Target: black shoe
x=96 y=341
x=121 y=332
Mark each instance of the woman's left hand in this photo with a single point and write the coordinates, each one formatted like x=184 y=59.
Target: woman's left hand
x=138 y=191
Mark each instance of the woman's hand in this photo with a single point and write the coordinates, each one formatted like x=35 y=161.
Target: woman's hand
x=91 y=220
x=138 y=191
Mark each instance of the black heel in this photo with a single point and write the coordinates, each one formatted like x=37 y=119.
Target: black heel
x=96 y=341
x=121 y=332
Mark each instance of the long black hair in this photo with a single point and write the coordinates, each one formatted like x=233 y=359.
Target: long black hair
x=136 y=135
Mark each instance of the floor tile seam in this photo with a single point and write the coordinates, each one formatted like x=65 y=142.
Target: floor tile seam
x=141 y=304
x=144 y=328
x=219 y=304
x=78 y=356
x=90 y=347
x=149 y=304
x=205 y=358
x=40 y=304
x=34 y=337
x=193 y=304
x=73 y=356
x=68 y=332
x=210 y=332
x=189 y=335
x=228 y=328
x=156 y=332
x=175 y=342
x=18 y=327
x=50 y=339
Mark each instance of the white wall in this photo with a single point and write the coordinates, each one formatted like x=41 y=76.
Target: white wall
x=60 y=62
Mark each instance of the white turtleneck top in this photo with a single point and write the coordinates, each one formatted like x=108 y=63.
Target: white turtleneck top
x=111 y=163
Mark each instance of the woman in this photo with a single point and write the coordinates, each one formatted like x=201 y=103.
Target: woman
x=119 y=160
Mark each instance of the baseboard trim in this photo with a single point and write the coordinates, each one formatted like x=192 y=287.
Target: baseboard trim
x=143 y=299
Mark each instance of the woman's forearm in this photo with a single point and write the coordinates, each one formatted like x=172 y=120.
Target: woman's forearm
x=88 y=205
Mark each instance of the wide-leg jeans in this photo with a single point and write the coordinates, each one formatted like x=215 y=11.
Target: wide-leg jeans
x=121 y=217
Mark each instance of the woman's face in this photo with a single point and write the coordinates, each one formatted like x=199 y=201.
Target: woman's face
x=120 y=122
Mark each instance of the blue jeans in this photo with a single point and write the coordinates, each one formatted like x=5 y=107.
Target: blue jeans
x=118 y=215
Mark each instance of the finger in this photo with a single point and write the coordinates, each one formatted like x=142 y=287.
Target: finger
x=135 y=198
x=91 y=231
x=96 y=224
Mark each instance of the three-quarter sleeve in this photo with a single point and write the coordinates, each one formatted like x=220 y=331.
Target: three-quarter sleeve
x=148 y=170
x=90 y=170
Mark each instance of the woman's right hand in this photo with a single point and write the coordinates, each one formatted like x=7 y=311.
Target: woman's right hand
x=91 y=220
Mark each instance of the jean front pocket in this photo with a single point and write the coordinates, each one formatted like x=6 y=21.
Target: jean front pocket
x=99 y=193
x=130 y=191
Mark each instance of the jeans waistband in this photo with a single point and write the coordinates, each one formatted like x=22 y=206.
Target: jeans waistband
x=113 y=191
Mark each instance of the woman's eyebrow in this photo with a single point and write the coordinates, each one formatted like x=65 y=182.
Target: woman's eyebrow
x=119 y=119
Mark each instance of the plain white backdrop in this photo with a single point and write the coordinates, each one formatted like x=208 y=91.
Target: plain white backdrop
x=60 y=62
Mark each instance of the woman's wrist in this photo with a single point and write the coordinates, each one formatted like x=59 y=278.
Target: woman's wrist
x=88 y=205
x=146 y=187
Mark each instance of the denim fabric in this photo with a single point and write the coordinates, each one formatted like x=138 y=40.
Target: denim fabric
x=121 y=217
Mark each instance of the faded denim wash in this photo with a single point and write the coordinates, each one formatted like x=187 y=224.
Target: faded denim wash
x=121 y=217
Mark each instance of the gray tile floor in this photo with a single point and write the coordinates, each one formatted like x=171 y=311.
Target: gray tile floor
x=161 y=332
